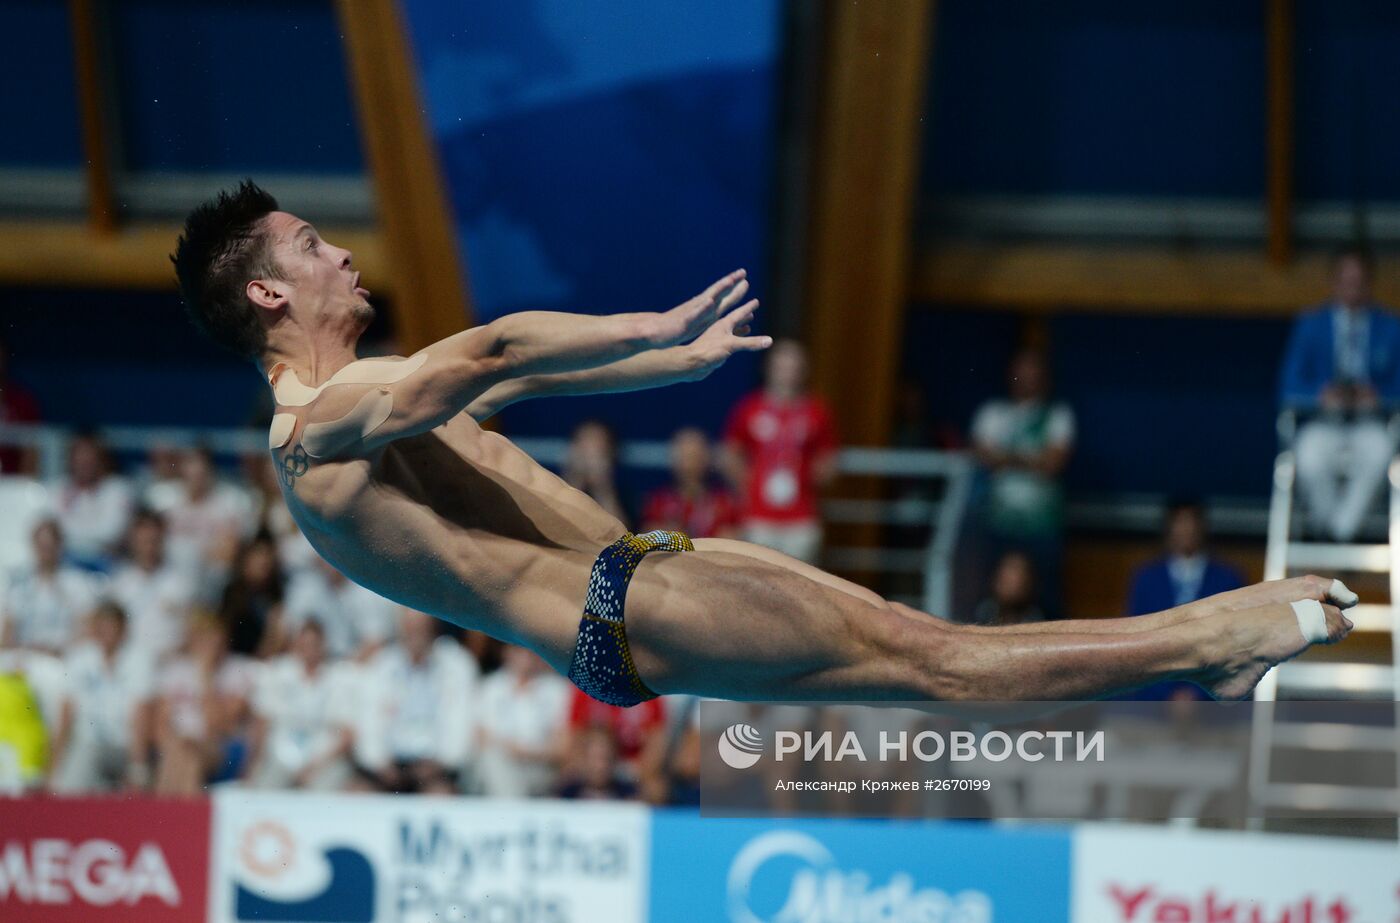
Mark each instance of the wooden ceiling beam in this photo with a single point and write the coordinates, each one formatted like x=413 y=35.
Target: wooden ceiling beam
x=419 y=235
x=94 y=112
x=1054 y=277
x=71 y=254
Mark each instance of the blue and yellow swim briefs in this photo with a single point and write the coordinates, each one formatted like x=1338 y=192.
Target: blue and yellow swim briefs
x=602 y=663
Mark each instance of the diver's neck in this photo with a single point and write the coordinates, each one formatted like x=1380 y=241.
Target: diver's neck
x=314 y=359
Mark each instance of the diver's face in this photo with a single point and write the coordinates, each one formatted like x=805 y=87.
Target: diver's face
x=321 y=285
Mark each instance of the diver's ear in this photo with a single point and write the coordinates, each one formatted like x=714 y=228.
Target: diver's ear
x=267 y=293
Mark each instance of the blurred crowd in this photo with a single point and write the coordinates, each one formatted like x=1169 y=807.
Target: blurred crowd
x=170 y=628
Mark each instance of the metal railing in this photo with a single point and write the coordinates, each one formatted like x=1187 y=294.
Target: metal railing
x=1336 y=678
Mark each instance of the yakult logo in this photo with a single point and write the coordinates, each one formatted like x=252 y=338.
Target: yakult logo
x=818 y=891
x=94 y=872
x=740 y=746
x=1146 y=904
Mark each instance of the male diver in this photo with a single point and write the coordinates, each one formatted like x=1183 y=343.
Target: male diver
x=386 y=469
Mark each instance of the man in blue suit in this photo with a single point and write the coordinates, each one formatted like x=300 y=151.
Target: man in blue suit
x=1343 y=367
x=1183 y=575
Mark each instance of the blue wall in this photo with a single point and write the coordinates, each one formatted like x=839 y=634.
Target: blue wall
x=605 y=158
x=1102 y=97
x=1097 y=97
x=36 y=53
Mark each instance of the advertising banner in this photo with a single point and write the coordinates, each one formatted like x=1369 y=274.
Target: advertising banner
x=855 y=871
x=299 y=858
x=1140 y=875
x=79 y=860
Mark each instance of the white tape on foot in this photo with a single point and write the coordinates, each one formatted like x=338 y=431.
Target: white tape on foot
x=1343 y=597
x=1312 y=621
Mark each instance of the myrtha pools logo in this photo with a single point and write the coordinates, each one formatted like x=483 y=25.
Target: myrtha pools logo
x=740 y=746
x=296 y=885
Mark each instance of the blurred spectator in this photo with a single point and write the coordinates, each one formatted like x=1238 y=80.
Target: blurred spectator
x=1343 y=367
x=159 y=478
x=915 y=426
x=357 y=621
x=487 y=651
x=1187 y=572
x=302 y=711
x=1013 y=599
x=16 y=406
x=206 y=518
x=692 y=504
x=157 y=596
x=779 y=451
x=630 y=728
x=201 y=706
x=93 y=504
x=524 y=707
x=670 y=764
x=413 y=725
x=46 y=603
x=251 y=608
x=591 y=466
x=272 y=516
x=36 y=719
x=596 y=774
x=112 y=687
x=1025 y=442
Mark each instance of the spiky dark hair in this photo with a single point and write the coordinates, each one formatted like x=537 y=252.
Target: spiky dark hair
x=223 y=247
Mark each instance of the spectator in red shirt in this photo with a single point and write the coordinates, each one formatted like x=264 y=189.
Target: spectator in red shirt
x=780 y=450
x=692 y=504
x=631 y=727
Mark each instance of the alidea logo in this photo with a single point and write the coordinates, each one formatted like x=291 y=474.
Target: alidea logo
x=794 y=878
x=740 y=746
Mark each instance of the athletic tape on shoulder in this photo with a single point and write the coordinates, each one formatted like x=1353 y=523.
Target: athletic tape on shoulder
x=280 y=430
x=290 y=392
x=1312 y=621
x=368 y=414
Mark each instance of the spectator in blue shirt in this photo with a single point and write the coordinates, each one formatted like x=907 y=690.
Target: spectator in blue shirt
x=1342 y=367
x=1184 y=574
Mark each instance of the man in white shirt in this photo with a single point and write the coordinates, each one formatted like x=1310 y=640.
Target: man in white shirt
x=303 y=709
x=1024 y=443
x=112 y=684
x=524 y=713
x=156 y=595
x=93 y=505
x=45 y=604
x=205 y=521
x=1342 y=369
x=413 y=724
x=357 y=621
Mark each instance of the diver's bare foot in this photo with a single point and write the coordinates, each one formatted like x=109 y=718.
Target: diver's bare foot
x=1247 y=642
x=1323 y=589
